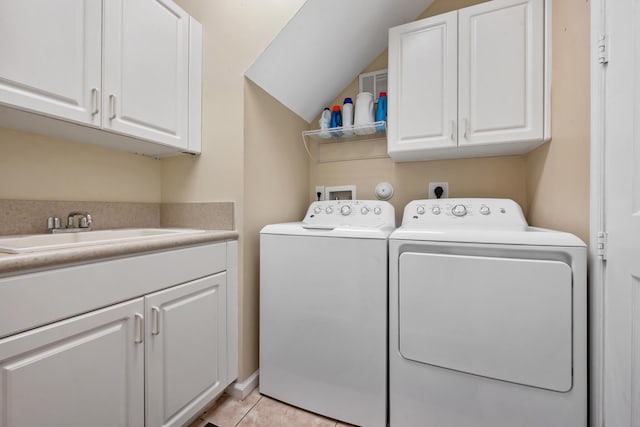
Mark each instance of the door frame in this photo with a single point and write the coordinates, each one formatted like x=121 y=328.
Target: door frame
x=597 y=216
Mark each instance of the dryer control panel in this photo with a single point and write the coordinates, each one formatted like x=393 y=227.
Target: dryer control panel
x=353 y=213
x=472 y=212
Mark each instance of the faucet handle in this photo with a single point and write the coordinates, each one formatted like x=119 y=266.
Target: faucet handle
x=53 y=223
x=85 y=221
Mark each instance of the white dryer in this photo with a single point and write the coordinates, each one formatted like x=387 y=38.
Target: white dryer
x=487 y=319
x=323 y=310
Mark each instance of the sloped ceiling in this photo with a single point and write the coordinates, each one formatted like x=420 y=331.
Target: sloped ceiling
x=324 y=47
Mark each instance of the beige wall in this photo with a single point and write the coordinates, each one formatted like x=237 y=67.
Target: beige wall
x=235 y=33
x=551 y=183
x=558 y=173
x=36 y=167
x=275 y=185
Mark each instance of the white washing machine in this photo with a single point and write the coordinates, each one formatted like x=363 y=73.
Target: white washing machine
x=487 y=319
x=323 y=310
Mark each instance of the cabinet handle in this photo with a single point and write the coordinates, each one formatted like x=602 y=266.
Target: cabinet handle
x=155 y=320
x=139 y=328
x=466 y=127
x=95 y=100
x=453 y=130
x=112 y=106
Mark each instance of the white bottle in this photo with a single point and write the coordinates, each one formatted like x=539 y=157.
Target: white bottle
x=364 y=114
x=325 y=123
x=347 y=117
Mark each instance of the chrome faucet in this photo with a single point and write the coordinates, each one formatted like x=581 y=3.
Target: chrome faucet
x=84 y=221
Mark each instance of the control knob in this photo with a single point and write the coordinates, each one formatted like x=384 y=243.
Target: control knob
x=329 y=210
x=459 y=210
x=345 y=210
x=364 y=210
x=377 y=210
x=484 y=210
x=420 y=210
x=435 y=210
x=317 y=209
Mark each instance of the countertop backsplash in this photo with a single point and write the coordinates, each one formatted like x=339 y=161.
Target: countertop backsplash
x=30 y=216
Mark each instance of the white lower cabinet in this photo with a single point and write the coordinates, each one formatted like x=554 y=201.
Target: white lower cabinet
x=185 y=349
x=88 y=370
x=154 y=360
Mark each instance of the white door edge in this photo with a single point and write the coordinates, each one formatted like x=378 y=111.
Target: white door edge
x=596 y=270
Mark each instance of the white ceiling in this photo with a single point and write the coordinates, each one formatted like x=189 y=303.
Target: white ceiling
x=324 y=47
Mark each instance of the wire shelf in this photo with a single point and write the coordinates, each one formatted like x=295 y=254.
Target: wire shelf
x=342 y=142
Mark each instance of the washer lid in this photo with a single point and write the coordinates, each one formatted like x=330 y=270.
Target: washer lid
x=364 y=219
x=310 y=230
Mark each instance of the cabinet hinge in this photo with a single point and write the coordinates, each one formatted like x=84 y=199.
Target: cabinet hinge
x=603 y=50
x=602 y=245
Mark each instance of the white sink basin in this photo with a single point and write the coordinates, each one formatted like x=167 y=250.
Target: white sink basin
x=45 y=242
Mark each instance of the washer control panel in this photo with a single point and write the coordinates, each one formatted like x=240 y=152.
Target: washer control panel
x=480 y=212
x=355 y=213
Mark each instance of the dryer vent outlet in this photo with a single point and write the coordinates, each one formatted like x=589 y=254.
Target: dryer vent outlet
x=438 y=190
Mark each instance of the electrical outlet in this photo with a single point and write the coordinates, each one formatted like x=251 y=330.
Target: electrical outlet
x=319 y=194
x=434 y=185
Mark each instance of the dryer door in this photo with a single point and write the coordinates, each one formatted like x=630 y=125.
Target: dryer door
x=502 y=318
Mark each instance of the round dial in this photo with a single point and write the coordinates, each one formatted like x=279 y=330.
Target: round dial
x=377 y=210
x=459 y=210
x=435 y=210
x=484 y=210
x=345 y=210
x=420 y=210
x=364 y=210
x=329 y=209
x=317 y=209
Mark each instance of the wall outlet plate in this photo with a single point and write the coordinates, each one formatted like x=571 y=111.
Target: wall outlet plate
x=341 y=192
x=320 y=192
x=434 y=185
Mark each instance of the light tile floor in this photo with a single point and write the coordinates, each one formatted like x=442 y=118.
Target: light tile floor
x=260 y=411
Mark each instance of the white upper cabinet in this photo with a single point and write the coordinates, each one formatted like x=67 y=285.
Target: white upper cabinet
x=423 y=89
x=501 y=72
x=146 y=73
x=499 y=101
x=51 y=57
x=132 y=69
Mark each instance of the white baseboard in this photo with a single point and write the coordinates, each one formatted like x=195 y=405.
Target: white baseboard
x=240 y=390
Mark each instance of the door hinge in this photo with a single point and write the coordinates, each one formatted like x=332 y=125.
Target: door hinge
x=603 y=50
x=602 y=245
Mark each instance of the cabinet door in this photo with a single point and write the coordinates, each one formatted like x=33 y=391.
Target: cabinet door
x=501 y=72
x=422 y=94
x=186 y=350
x=87 y=370
x=51 y=57
x=146 y=70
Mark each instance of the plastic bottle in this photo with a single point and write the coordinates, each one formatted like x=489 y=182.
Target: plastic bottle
x=347 y=116
x=364 y=114
x=336 y=121
x=325 y=123
x=381 y=111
